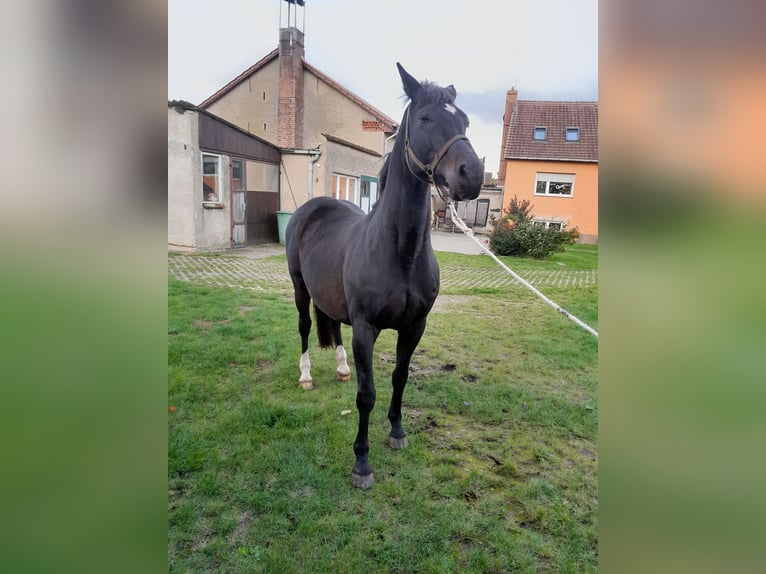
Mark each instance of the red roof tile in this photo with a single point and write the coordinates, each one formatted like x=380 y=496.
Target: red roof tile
x=556 y=117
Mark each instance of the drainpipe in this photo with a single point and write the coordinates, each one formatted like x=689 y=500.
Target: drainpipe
x=311 y=171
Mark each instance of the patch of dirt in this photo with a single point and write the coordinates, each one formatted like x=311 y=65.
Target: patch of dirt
x=265 y=364
x=303 y=492
x=418 y=371
x=243 y=310
x=426 y=372
x=244 y=519
x=208 y=324
x=445 y=303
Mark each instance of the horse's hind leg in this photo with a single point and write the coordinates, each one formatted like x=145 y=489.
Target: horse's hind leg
x=342 y=373
x=405 y=346
x=302 y=301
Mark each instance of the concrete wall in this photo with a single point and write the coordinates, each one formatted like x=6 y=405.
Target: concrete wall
x=495 y=197
x=328 y=111
x=192 y=223
x=184 y=176
x=213 y=222
x=260 y=176
x=252 y=105
x=294 y=181
x=580 y=210
x=340 y=159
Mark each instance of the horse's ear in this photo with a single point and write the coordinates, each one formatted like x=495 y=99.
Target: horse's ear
x=451 y=89
x=411 y=85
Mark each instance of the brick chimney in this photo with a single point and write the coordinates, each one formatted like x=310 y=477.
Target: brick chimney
x=290 y=101
x=511 y=100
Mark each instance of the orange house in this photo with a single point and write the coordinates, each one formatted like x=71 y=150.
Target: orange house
x=549 y=156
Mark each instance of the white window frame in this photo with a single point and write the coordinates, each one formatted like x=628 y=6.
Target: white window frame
x=545 y=133
x=548 y=222
x=219 y=177
x=549 y=178
x=344 y=195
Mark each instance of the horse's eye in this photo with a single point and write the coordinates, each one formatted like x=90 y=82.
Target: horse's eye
x=424 y=119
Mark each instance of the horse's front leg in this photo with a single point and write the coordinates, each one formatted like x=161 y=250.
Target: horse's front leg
x=405 y=345
x=363 y=341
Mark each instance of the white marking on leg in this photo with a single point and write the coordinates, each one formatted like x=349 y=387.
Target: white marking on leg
x=343 y=372
x=450 y=108
x=305 y=364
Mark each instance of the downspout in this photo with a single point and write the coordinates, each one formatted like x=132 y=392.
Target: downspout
x=315 y=159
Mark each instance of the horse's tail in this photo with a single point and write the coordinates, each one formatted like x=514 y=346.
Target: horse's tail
x=324 y=328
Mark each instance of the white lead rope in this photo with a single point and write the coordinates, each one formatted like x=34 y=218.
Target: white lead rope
x=469 y=233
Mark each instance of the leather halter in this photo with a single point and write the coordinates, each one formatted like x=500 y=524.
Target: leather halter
x=428 y=169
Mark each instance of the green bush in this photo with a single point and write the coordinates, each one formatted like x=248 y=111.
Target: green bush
x=515 y=234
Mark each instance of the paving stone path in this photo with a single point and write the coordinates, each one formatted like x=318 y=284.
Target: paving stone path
x=271 y=274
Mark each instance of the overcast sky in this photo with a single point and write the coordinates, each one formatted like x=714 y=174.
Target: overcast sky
x=546 y=49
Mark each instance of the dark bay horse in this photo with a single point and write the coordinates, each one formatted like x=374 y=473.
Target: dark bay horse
x=378 y=271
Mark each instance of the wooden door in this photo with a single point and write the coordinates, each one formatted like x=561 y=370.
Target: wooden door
x=238 y=204
x=262 y=207
x=262 y=202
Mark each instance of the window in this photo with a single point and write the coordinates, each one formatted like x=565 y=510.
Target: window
x=237 y=175
x=573 y=134
x=211 y=178
x=555 y=184
x=345 y=187
x=541 y=133
x=557 y=225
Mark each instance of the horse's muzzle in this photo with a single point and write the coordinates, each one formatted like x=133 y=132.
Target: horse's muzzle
x=461 y=172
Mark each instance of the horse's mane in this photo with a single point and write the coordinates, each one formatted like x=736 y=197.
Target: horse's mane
x=383 y=175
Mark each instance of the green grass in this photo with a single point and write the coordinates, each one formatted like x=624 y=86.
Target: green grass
x=573 y=257
x=501 y=411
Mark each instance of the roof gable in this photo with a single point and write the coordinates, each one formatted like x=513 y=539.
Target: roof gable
x=388 y=124
x=556 y=117
x=241 y=78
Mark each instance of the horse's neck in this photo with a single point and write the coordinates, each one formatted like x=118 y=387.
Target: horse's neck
x=404 y=211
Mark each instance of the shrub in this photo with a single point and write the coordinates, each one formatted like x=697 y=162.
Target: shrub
x=515 y=234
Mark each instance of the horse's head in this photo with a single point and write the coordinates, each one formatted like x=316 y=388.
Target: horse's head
x=436 y=148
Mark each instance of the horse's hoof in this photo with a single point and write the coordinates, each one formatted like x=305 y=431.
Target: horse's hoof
x=307 y=385
x=363 y=482
x=397 y=443
x=342 y=377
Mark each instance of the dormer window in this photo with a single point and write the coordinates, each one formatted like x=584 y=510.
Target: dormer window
x=573 y=134
x=540 y=133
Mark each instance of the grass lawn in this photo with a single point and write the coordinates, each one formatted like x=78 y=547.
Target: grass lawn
x=501 y=411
